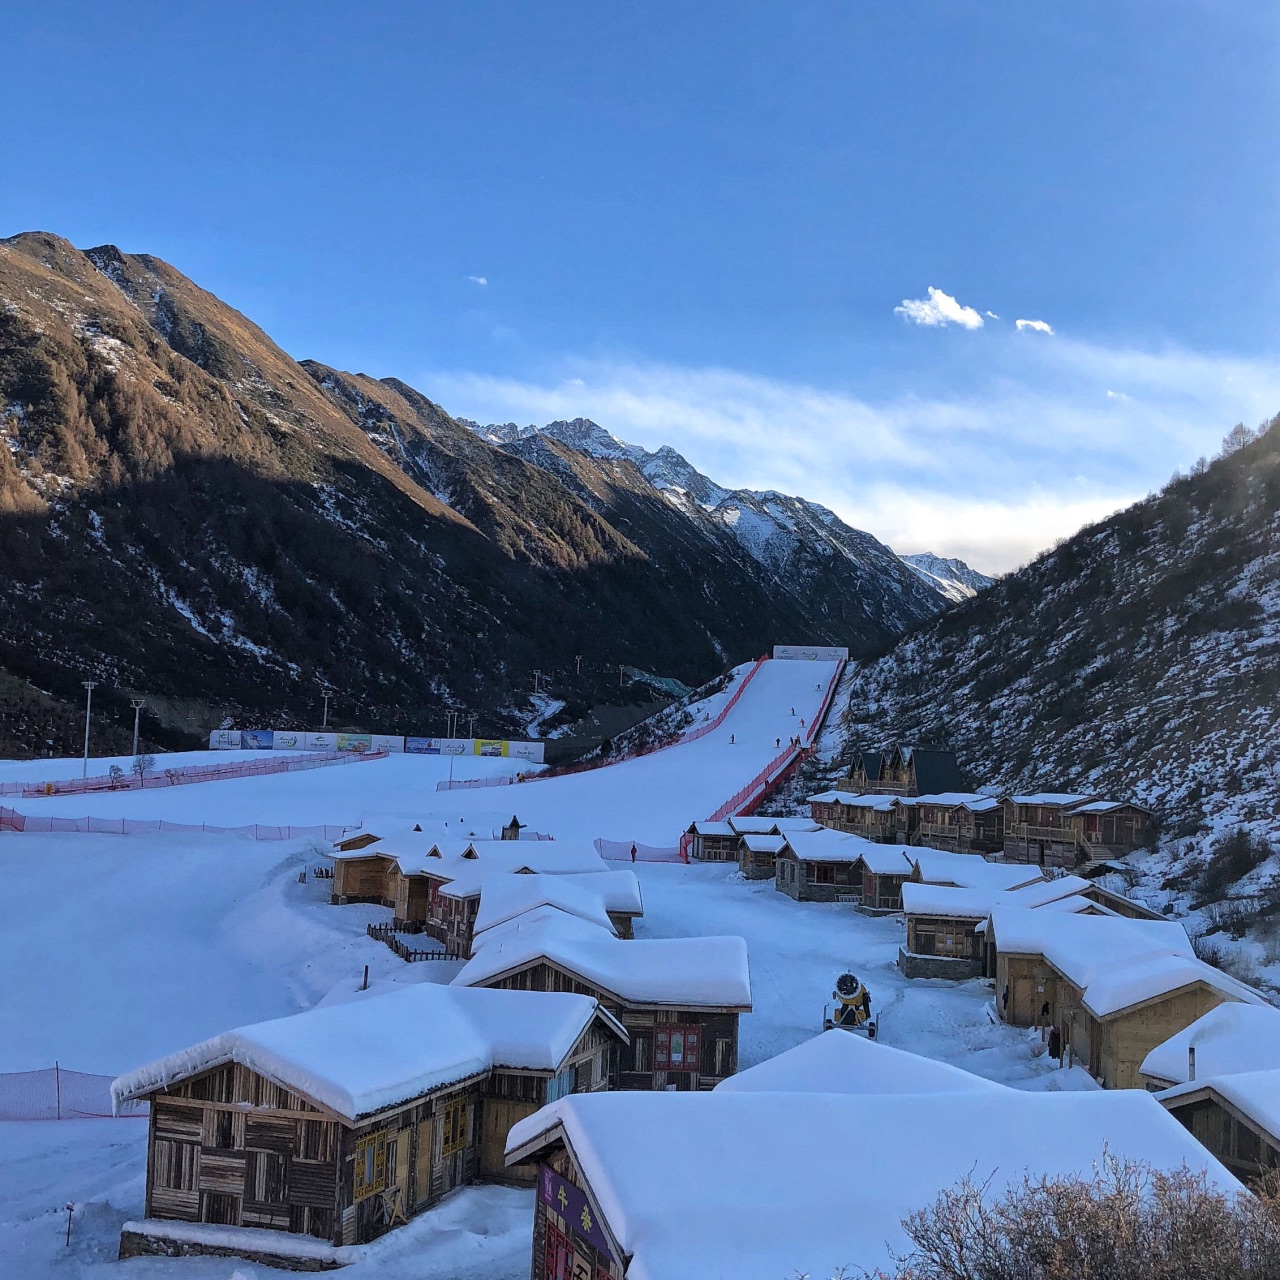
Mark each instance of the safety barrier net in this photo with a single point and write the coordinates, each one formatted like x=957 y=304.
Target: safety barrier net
x=12 y=820
x=620 y=851
x=54 y=1093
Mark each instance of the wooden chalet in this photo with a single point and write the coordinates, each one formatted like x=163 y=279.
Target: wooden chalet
x=713 y=842
x=883 y=819
x=1114 y=988
x=758 y=854
x=1235 y=1117
x=1038 y=829
x=1228 y=1040
x=1109 y=828
x=345 y=1121
x=829 y=866
x=906 y=771
x=679 y=998
x=806 y=1182
x=960 y=822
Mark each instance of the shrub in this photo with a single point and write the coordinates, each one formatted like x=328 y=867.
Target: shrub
x=1128 y=1220
x=1231 y=857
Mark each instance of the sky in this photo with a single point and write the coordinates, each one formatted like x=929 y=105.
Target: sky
x=970 y=272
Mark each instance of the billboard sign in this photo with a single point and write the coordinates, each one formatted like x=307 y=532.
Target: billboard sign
x=810 y=652
x=527 y=750
x=438 y=746
x=224 y=740
x=288 y=740
x=359 y=742
x=387 y=742
x=256 y=739
x=320 y=742
x=491 y=747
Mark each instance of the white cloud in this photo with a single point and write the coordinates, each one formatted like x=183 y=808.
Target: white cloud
x=918 y=471
x=938 y=309
x=1117 y=395
x=478 y=280
x=991 y=315
x=1040 y=326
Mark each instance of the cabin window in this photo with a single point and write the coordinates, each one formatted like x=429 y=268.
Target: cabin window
x=824 y=873
x=370 y=1166
x=676 y=1049
x=560 y=1084
x=455 y=1127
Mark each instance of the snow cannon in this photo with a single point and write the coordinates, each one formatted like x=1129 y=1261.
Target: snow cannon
x=852 y=1008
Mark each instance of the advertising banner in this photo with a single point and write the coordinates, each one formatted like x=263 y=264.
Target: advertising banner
x=810 y=653
x=288 y=740
x=256 y=739
x=320 y=742
x=491 y=747
x=438 y=746
x=573 y=1207
x=224 y=740
x=387 y=742
x=527 y=750
x=355 y=742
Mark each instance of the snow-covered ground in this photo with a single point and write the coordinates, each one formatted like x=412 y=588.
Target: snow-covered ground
x=651 y=799
x=121 y=948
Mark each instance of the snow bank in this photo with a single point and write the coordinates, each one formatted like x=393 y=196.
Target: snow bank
x=1233 y=1037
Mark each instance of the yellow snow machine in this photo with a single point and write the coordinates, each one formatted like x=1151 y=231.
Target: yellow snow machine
x=852 y=1007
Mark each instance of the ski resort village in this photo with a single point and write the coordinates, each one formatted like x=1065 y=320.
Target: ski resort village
x=429 y=1007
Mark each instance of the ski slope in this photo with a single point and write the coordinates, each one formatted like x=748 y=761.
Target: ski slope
x=650 y=799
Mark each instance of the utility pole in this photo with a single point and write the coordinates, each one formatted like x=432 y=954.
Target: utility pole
x=326 y=693
x=577 y=664
x=90 y=686
x=472 y=730
x=137 y=704
x=537 y=675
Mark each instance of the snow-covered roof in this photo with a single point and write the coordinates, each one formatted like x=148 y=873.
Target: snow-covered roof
x=378 y=1050
x=1116 y=962
x=970 y=800
x=1256 y=1094
x=850 y=1169
x=971 y=870
x=826 y=845
x=1106 y=806
x=684 y=972
x=764 y=844
x=837 y=1062
x=832 y=797
x=1063 y=798
x=589 y=897
x=1233 y=1037
x=749 y=824
x=978 y=903
x=712 y=829
x=467 y=874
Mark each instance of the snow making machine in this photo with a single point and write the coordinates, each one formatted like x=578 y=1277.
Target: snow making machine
x=852 y=1008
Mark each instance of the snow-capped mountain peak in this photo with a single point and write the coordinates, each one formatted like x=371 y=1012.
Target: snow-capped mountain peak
x=953 y=578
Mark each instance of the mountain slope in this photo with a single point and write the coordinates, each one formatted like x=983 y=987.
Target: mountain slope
x=953 y=578
x=1139 y=658
x=189 y=513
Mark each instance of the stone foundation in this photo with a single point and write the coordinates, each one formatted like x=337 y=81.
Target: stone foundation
x=917 y=966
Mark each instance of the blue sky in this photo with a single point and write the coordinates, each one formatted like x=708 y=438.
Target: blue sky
x=698 y=223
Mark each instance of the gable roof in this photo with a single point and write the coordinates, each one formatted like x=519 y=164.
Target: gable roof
x=871 y=763
x=1255 y=1094
x=1063 y=799
x=1231 y=1038
x=683 y=972
x=837 y=1062
x=971 y=870
x=977 y=903
x=590 y=897
x=378 y=1050
x=935 y=770
x=725 y=1207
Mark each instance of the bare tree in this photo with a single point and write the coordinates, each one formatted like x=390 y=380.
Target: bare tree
x=143 y=765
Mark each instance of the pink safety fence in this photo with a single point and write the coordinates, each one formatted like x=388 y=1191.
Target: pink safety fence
x=620 y=851
x=747 y=797
x=470 y=784
x=55 y=1093
x=182 y=776
x=12 y=820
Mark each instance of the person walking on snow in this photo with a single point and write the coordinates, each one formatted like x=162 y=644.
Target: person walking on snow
x=731 y=739
x=777 y=742
x=633 y=851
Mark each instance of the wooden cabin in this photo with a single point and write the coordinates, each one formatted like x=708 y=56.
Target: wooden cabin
x=512 y=830
x=758 y=1185
x=344 y=1121
x=757 y=856
x=1038 y=829
x=679 y=998
x=865 y=771
x=1109 y=828
x=1234 y=1117
x=713 y=842
x=1229 y=1040
x=610 y=899
x=960 y=822
x=881 y=819
x=906 y=771
x=1114 y=988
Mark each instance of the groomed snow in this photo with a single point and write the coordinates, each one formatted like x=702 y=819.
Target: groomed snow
x=371 y=1052
x=769 y=1184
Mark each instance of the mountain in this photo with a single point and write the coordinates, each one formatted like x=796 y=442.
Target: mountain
x=953 y=578
x=189 y=514
x=791 y=539
x=1140 y=658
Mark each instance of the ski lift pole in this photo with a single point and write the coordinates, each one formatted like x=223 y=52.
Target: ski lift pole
x=57 y=1099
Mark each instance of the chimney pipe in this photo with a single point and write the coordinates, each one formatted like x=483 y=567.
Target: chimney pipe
x=1191 y=1062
